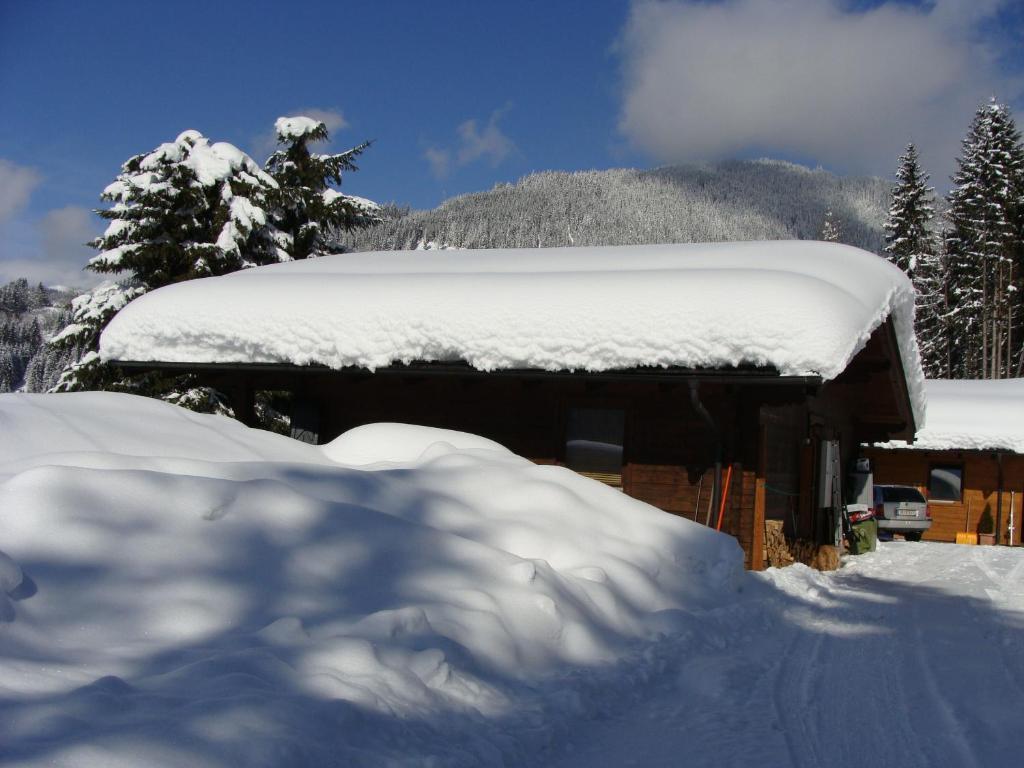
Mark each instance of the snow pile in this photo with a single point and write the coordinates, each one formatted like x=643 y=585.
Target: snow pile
x=802 y=307
x=180 y=590
x=390 y=443
x=971 y=415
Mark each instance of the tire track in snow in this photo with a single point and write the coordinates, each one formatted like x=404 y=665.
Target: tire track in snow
x=877 y=689
x=794 y=691
x=944 y=710
x=1007 y=602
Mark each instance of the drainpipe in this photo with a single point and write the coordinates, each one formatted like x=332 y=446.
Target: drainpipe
x=999 y=498
x=698 y=406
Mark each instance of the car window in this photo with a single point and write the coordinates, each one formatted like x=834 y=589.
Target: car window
x=895 y=493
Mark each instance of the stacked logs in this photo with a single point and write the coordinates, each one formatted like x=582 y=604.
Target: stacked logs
x=780 y=553
x=777 y=550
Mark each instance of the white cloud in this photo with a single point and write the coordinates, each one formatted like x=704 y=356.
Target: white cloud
x=55 y=253
x=805 y=78
x=17 y=182
x=487 y=143
x=265 y=143
x=440 y=161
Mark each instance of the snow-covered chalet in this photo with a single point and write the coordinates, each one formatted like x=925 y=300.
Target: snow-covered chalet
x=727 y=383
x=968 y=460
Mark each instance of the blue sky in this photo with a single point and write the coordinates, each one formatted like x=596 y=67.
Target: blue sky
x=461 y=94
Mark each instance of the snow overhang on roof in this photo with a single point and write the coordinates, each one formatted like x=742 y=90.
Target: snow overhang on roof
x=803 y=308
x=971 y=416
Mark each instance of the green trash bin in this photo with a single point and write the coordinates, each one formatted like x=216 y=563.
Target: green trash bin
x=863 y=536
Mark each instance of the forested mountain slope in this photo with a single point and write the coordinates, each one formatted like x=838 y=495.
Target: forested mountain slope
x=733 y=200
x=29 y=316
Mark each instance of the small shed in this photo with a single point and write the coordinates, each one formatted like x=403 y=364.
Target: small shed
x=968 y=459
x=727 y=383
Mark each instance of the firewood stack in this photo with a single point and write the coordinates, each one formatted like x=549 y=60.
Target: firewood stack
x=778 y=553
x=823 y=557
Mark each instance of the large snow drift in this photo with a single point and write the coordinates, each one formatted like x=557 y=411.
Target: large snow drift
x=802 y=307
x=971 y=415
x=177 y=589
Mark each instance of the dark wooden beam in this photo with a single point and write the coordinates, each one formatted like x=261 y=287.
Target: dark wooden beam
x=741 y=375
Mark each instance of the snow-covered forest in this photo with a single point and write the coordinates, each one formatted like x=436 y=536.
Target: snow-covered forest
x=734 y=200
x=29 y=316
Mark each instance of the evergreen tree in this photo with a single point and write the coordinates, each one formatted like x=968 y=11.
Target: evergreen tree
x=193 y=209
x=913 y=207
x=910 y=245
x=187 y=209
x=79 y=341
x=306 y=209
x=830 y=232
x=984 y=250
x=930 y=316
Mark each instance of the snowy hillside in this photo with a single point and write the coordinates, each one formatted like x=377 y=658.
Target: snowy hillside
x=177 y=589
x=29 y=316
x=733 y=200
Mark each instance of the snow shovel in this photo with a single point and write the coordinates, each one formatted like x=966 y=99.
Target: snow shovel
x=966 y=537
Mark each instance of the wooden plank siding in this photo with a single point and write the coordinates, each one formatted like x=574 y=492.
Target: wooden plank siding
x=668 y=459
x=980 y=487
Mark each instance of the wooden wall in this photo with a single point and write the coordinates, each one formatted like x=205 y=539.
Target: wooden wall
x=770 y=431
x=668 y=458
x=980 y=487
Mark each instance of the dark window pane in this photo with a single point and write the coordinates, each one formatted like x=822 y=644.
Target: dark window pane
x=593 y=441
x=902 y=494
x=945 y=483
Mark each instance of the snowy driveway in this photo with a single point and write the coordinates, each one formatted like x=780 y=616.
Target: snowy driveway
x=909 y=656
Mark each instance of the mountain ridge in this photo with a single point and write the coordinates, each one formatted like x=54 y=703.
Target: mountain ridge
x=761 y=199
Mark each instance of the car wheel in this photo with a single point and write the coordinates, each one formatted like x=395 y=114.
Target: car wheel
x=912 y=535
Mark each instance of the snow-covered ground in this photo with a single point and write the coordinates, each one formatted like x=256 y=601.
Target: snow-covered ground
x=178 y=590
x=911 y=656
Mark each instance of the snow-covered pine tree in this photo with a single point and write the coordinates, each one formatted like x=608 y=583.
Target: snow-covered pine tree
x=90 y=314
x=830 y=232
x=306 y=209
x=910 y=245
x=930 y=314
x=913 y=207
x=984 y=249
x=187 y=209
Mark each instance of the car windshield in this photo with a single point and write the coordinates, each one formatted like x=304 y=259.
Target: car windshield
x=896 y=493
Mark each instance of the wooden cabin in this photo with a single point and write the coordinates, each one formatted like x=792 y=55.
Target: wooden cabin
x=728 y=439
x=968 y=460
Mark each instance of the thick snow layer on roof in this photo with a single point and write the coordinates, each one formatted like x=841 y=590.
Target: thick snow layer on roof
x=971 y=415
x=177 y=589
x=802 y=307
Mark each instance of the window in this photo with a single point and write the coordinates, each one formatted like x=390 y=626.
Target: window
x=899 y=493
x=945 y=483
x=593 y=443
